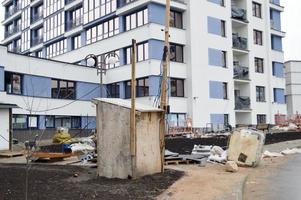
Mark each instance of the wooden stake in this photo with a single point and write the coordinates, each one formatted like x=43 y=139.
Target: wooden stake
x=163 y=100
x=133 y=101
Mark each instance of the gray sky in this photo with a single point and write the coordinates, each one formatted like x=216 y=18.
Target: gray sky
x=290 y=25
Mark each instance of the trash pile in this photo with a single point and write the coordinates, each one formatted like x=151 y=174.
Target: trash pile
x=84 y=148
x=289 y=127
x=244 y=149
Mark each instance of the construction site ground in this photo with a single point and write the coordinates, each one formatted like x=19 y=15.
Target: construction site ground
x=180 y=182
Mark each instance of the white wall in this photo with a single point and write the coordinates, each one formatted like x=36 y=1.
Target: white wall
x=4 y=129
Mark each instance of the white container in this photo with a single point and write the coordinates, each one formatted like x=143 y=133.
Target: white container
x=245 y=147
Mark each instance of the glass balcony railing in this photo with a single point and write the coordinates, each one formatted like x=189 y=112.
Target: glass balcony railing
x=239 y=14
x=240 y=72
x=12 y=31
x=239 y=42
x=74 y=23
x=12 y=11
x=242 y=103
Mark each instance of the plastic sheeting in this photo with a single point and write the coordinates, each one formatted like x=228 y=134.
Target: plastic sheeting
x=242 y=103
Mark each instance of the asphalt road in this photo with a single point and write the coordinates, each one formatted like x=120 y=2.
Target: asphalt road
x=286 y=183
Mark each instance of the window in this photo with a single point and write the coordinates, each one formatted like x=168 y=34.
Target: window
x=56 y=48
x=256 y=9
x=225 y=90
x=276 y=43
x=278 y=69
x=177 y=120
x=103 y=30
x=19 y=122
x=61 y=89
x=257 y=37
x=141 y=51
x=217 y=57
x=49 y=122
x=142 y=88
x=95 y=9
x=54 y=26
x=260 y=94
x=136 y=19
x=216 y=26
x=279 y=95
x=113 y=90
x=259 y=65
x=223 y=28
x=176 y=53
x=13 y=83
x=261 y=119
x=176 y=19
x=219 y=2
x=176 y=87
x=32 y=121
x=76 y=42
x=226 y=119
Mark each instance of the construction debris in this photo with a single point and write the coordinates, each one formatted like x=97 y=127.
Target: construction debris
x=203 y=150
x=291 y=151
x=268 y=154
x=245 y=147
x=61 y=136
x=231 y=166
x=84 y=149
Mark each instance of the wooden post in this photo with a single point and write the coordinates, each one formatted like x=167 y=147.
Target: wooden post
x=133 y=102
x=163 y=99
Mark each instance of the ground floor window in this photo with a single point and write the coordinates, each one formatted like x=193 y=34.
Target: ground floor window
x=67 y=122
x=261 y=119
x=32 y=121
x=19 y=122
x=49 y=122
x=177 y=120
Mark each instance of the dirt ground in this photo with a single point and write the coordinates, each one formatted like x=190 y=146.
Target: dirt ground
x=185 y=145
x=59 y=182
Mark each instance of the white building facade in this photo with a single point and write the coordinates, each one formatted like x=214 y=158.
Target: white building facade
x=293 y=86
x=226 y=56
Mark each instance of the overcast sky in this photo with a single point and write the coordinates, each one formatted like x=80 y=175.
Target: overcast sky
x=290 y=24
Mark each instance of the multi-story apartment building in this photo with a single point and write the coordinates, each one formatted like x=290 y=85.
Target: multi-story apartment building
x=226 y=56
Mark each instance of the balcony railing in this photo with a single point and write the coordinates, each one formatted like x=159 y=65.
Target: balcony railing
x=37 y=40
x=36 y=17
x=12 y=11
x=242 y=103
x=239 y=14
x=239 y=42
x=74 y=23
x=240 y=72
x=12 y=31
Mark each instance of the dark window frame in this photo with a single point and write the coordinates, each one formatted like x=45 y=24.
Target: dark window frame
x=261 y=119
x=176 y=47
x=174 y=22
x=257 y=9
x=225 y=90
x=174 y=84
x=259 y=65
x=258 y=37
x=113 y=90
x=9 y=79
x=59 y=89
x=144 y=87
x=260 y=94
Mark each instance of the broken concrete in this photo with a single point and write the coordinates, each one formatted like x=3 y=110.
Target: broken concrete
x=231 y=166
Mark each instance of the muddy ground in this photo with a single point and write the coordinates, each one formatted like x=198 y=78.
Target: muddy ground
x=185 y=146
x=58 y=182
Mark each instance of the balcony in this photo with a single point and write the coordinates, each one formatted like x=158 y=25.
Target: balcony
x=242 y=103
x=36 y=17
x=12 y=11
x=37 y=40
x=12 y=31
x=239 y=14
x=74 y=23
x=240 y=72
x=239 y=42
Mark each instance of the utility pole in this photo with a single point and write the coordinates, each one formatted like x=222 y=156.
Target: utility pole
x=133 y=108
x=163 y=99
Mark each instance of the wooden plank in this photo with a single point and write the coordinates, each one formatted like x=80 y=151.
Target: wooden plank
x=51 y=155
